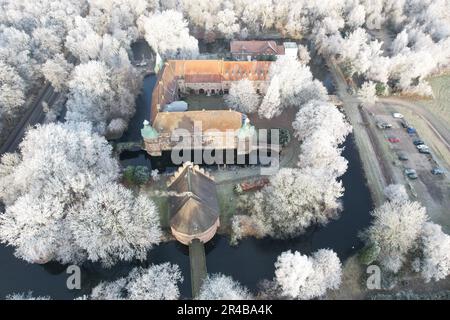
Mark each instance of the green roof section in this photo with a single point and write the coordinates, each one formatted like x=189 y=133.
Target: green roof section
x=247 y=130
x=148 y=132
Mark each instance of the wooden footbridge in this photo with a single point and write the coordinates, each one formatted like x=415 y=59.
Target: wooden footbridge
x=198 y=265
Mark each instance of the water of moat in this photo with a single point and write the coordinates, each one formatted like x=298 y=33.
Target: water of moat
x=249 y=262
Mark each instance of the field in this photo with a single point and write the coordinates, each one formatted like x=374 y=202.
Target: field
x=441 y=103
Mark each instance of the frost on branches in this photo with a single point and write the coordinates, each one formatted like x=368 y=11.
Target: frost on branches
x=301 y=277
x=12 y=91
x=296 y=199
x=368 y=93
x=117 y=212
x=103 y=96
x=396 y=228
x=396 y=192
x=291 y=85
x=221 y=287
x=26 y=296
x=167 y=33
x=242 y=97
x=63 y=202
x=435 y=263
x=158 y=282
x=401 y=230
x=321 y=128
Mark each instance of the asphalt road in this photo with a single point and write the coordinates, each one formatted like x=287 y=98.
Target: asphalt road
x=34 y=114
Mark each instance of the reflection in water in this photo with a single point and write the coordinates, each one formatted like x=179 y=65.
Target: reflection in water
x=249 y=262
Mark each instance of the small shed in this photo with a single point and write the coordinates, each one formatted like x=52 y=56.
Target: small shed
x=193 y=206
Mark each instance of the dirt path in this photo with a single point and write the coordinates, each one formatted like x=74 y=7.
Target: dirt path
x=374 y=173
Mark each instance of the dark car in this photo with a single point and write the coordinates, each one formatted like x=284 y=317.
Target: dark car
x=424 y=151
x=402 y=156
x=404 y=124
x=418 y=142
x=437 y=171
x=411 y=173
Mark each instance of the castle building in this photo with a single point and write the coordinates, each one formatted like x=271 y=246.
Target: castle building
x=193 y=206
x=211 y=127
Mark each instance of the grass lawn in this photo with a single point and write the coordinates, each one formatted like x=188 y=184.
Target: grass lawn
x=200 y=102
x=227 y=204
x=441 y=104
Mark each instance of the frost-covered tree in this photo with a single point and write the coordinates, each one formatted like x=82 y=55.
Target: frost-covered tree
x=221 y=287
x=291 y=84
x=396 y=228
x=435 y=263
x=368 y=93
x=271 y=103
x=57 y=70
x=125 y=226
x=63 y=202
x=90 y=94
x=396 y=192
x=167 y=33
x=226 y=23
x=320 y=115
x=242 y=96
x=26 y=296
x=296 y=199
x=82 y=41
x=12 y=90
x=158 y=282
x=15 y=50
x=321 y=128
x=103 y=96
x=45 y=44
x=301 y=277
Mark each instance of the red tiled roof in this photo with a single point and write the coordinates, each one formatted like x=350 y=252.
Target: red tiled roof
x=203 y=78
x=256 y=47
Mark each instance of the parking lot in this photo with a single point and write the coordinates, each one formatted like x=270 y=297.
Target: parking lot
x=433 y=191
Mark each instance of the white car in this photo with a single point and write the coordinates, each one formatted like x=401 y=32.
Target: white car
x=422 y=146
x=397 y=115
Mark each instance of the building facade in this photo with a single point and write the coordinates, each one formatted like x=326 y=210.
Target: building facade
x=208 y=129
x=255 y=50
x=261 y=50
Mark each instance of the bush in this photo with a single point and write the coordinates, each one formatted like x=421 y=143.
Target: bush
x=128 y=175
x=369 y=254
x=141 y=174
x=136 y=174
x=380 y=89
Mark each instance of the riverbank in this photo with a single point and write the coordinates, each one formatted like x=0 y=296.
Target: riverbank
x=376 y=177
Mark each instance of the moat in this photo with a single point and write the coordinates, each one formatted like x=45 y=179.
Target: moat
x=249 y=262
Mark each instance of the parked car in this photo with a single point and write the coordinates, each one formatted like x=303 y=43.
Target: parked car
x=411 y=173
x=418 y=142
x=411 y=130
x=393 y=139
x=425 y=151
x=384 y=125
x=437 y=171
x=397 y=115
x=402 y=156
x=421 y=146
x=404 y=124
